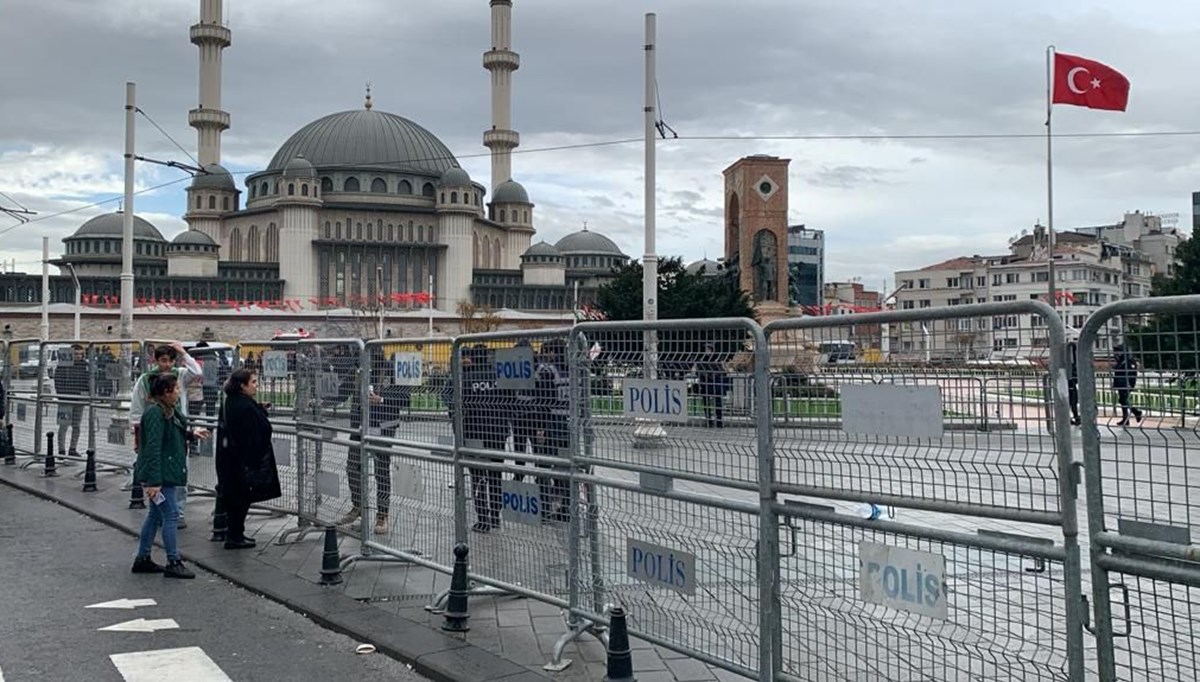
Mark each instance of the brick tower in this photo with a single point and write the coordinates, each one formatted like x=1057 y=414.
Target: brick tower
x=756 y=215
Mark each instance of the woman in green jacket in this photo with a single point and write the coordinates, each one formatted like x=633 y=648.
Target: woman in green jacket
x=161 y=467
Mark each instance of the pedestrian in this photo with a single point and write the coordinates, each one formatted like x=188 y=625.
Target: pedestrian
x=384 y=407
x=553 y=400
x=165 y=358
x=245 y=457
x=71 y=384
x=484 y=427
x=714 y=384
x=1125 y=375
x=161 y=468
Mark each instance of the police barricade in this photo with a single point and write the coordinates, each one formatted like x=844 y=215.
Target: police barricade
x=668 y=513
x=919 y=540
x=1138 y=362
x=23 y=358
x=275 y=364
x=114 y=367
x=402 y=478
x=327 y=390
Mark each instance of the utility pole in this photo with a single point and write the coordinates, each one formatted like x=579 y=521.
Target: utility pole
x=120 y=420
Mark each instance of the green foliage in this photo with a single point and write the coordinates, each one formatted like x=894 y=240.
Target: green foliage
x=680 y=295
x=1169 y=342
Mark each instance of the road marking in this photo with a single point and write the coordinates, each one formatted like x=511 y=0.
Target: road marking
x=1 y=676
x=188 y=663
x=123 y=604
x=142 y=625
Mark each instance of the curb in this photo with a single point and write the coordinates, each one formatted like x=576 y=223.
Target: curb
x=428 y=651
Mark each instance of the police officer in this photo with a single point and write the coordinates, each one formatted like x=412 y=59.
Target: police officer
x=484 y=425
x=553 y=398
x=523 y=419
x=386 y=401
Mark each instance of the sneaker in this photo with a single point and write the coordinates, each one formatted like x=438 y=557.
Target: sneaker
x=176 y=569
x=381 y=524
x=182 y=523
x=145 y=564
x=352 y=516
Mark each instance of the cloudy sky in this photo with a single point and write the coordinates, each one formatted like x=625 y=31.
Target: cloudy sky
x=756 y=68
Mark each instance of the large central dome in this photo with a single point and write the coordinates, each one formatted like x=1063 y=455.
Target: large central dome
x=365 y=137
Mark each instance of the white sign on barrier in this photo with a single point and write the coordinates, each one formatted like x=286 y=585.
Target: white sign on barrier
x=895 y=411
x=514 y=368
x=329 y=385
x=407 y=481
x=660 y=400
x=410 y=369
x=659 y=566
x=521 y=502
x=274 y=364
x=903 y=579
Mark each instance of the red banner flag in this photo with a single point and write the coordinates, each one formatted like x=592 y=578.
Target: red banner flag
x=1086 y=83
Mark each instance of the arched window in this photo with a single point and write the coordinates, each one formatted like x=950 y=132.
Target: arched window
x=378 y=185
x=224 y=203
x=443 y=199
x=251 y=187
x=338 y=227
x=326 y=185
x=252 y=244
x=277 y=187
x=212 y=202
x=427 y=190
x=370 y=232
x=420 y=233
x=264 y=190
x=328 y=230
x=304 y=190
x=199 y=201
x=503 y=215
x=351 y=185
x=454 y=197
x=272 y=243
x=357 y=230
x=477 y=262
x=405 y=187
x=235 y=244
x=525 y=217
x=487 y=254
x=291 y=189
x=391 y=233
x=496 y=254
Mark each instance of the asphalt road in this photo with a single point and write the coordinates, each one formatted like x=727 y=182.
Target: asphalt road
x=55 y=562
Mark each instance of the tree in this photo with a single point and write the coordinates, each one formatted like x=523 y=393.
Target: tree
x=1168 y=342
x=477 y=319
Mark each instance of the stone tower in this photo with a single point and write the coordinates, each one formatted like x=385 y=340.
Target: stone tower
x=756 y=215
x=212 y=37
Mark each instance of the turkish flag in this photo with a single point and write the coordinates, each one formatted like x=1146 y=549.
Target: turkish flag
x=1085 y=83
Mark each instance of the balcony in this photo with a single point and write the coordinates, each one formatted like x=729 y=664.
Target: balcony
x=209 y=117
x=210 y=33
x=501 y=59
x=504 y=139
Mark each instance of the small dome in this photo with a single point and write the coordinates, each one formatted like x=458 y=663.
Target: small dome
x=455 y=177
x=214 y=177
x=113 y=225
x=542 y=249
x=299 y=167
x=706 y=267
x=193 y=237
x=510 y=192
x=587 y=242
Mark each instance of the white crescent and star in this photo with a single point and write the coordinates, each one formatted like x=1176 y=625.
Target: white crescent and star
x=1071 y=80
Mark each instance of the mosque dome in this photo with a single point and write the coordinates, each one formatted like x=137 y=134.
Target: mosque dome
x=587 y=242
x=455 y=177
x=113 y=225
x=510 y=192
x=195 y=237
x=299 y=167
x=214 y=177
x=366 y=137
x=543 y=250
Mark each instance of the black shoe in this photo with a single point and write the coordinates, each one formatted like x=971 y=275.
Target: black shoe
x=145 y=564
x=1139 y=416
x=1075 y=421
x=1123 y=422
x=176 y=569
x=244 y=543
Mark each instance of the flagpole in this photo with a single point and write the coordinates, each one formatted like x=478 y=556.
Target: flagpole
x=1050 y=171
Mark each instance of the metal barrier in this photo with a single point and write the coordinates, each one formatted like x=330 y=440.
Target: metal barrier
x=1143 y=487
x=275 y=364
x=974 y=571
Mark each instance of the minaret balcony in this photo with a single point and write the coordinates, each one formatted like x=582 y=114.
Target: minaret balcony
x=211 y=33
x=501 y=59
x=206 y=118
x=502 y=139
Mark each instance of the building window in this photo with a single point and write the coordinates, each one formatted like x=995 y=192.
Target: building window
x=252 y=252
x=326 y=184
x=907 y=284
x=525 y=217
x=1012 y=278
x=351 y=185
x=358 y=231
x=199 y=201
x=427 y=190
x=378 y=186
x=272 y=243
x=264 y=190
x=391 y=233
x=304 y=190
x=251 y=188
x=339 y=229
x=212 y=202
x=225 y=203
x=997 y=280
x=405 y=187
x=952 y=282
x=339 y=277
x=925 y=303
x=235 y=244
x=503 y=216
x=291 y=189
x=420 y=233
x=370 y=232
x=922 y=284
x=443 y=199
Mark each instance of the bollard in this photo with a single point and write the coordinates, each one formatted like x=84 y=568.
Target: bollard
x=457 y=615
x=49 y=468
x=220 y=523
x=137 y=497
x=8 y=448
x=619 y=664
x=89 y=473
x=331 y=561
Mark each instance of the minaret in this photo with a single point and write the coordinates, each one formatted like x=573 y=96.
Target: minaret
x=501 y=61
x=211 y=36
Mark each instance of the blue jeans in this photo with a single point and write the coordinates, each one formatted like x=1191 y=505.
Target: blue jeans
x=166 y=514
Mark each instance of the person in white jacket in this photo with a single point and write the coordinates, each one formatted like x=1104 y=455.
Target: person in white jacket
x=174 y=359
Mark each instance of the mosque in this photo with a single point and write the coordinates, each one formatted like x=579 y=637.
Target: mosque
x=355 y=208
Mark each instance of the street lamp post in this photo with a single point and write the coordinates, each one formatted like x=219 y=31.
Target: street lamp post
x=120 y=420
x=78 y=296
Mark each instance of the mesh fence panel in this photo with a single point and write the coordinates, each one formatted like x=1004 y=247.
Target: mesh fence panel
x=22 y=388
x=275 y=364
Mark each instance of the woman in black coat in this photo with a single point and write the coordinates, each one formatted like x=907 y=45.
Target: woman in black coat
x=246 y=471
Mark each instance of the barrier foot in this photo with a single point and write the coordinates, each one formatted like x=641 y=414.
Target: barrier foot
x=137 y=496
x=457 y=616
x=89 y=473
x=49 y=468
x=349 y=561
x=573 y=633
x=220 y=521
x=331 y=567
x=619 y=663
x=438 y=605
x=8 y=449
x=301 y=532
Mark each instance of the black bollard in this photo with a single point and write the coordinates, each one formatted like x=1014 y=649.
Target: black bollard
x=331 y=561
x=457 y=615
x=619 y=664
x=89 y=473
x=8 y=448
x=220 y=519
x=49 y=468
x=137 y=496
